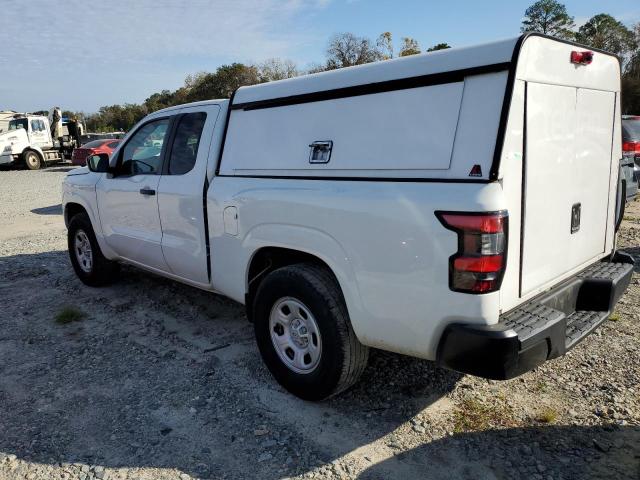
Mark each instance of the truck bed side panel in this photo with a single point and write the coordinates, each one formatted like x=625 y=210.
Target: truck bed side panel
x=381 y=239
x=439 y=131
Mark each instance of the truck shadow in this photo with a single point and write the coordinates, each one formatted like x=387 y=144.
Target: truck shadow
x=57 y=168
x=580 y=452
x=635 y=253
x=51 y=210
x=60 y=169
x=159 y=375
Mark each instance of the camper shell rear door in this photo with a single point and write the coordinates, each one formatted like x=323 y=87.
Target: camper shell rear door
x=571 y=150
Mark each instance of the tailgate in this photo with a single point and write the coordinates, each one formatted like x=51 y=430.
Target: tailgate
x=568 y=151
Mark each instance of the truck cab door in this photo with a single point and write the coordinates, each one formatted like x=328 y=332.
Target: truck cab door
x=181 y=193
x=38 y=136
x=127 y=198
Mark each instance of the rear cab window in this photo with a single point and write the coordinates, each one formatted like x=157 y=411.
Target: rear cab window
x=184 y=150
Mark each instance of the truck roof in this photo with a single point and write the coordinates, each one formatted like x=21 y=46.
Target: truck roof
x=219 y=101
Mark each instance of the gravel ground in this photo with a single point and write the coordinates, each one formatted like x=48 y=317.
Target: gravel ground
x=156 y=380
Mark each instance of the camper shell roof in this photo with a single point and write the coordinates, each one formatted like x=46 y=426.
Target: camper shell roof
x=495 y=54
x=441 y=66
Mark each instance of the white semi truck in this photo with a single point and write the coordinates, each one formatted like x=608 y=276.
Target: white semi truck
x=28 y=141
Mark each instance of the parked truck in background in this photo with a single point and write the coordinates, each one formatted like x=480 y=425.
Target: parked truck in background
x=459 y=206
x=28 y=141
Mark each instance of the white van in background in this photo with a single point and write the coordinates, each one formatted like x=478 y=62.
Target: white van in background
x=459 y=206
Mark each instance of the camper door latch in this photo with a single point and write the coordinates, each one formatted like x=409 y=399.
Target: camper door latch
x=320 y=151
x=575 y=217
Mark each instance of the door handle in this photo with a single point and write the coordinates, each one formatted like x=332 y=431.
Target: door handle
x=147 y=191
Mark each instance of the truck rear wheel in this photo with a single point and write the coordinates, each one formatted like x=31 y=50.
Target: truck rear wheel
x=304 y=333
x=90 y=265
x=32 y=160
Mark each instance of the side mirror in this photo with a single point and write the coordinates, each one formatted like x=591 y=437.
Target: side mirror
x=98 y=163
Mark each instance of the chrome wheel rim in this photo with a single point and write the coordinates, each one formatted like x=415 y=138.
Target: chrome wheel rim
x=82 y=248
x=295 y=335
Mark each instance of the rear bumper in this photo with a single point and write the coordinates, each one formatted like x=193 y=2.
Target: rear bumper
x=541 y=329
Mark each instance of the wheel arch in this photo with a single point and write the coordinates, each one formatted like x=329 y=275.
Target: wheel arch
x=37 y=150
x=75 y=204
x=72 y=209
x=271 y=257
x=237 y=272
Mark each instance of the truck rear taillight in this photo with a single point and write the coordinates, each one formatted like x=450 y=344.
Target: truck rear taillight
x=631 y=147
x=581 y=58
x=479 y=264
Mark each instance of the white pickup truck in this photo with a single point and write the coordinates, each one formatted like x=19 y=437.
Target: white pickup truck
x=459 y=206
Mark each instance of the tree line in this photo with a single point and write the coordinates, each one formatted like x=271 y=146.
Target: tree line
x=602 y=31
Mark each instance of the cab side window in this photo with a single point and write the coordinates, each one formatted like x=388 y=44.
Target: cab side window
x=142 y=155
x=185 y=144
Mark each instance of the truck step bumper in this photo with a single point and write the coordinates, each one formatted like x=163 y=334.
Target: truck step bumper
x=540 y=329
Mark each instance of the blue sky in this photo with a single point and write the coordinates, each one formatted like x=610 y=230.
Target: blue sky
x=81 y=54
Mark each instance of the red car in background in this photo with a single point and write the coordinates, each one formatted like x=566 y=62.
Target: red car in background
x=80 y=154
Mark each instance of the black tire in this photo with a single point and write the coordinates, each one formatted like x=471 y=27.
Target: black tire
x=343 y=358
x=101 y=271
x=32 y=160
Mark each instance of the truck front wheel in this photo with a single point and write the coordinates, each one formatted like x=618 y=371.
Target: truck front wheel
x=32 y=160
x=90 y=265
x=304 y=334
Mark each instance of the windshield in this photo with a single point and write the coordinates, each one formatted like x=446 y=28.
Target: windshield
x=17 y=123
x=631 y=130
